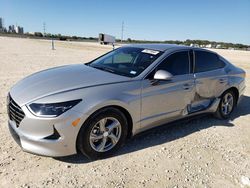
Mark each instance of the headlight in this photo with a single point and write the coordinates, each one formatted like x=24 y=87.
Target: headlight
x=52 y=109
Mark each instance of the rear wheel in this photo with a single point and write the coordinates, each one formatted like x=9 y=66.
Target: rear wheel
x=103 y=133
x=227 y=105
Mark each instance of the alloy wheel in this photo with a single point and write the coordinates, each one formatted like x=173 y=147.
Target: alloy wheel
x=105 y=134
x=227 y=104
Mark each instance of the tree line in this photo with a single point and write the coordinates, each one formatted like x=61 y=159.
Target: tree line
x=200 y=43
x=188 y=42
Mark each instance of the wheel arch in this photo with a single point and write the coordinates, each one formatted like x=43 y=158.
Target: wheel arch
x=128 y=117
x=235 y=90
x=120 y=108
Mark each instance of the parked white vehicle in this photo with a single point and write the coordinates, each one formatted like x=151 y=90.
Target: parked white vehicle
x=106 y=39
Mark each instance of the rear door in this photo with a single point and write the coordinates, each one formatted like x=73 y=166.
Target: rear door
x=209 y=73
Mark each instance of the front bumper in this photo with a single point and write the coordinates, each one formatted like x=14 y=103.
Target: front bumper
x=33 y=134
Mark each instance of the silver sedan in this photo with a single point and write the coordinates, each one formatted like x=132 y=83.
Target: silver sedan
x=93 y=108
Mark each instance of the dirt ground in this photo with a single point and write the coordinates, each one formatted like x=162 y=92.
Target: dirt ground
x=203 y=152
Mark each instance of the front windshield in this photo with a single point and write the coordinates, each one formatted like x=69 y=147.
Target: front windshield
x=126 y=61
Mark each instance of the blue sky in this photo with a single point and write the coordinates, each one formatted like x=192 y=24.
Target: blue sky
x=218 y=20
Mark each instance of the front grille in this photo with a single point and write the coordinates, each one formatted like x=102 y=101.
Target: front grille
x=14 y=111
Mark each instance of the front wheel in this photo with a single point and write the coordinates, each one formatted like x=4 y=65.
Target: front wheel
x=227 y=105
x=103 y=133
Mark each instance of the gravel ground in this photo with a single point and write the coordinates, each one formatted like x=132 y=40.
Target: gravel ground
x=201 y=152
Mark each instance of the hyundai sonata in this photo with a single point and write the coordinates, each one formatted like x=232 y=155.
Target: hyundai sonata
x=93 y=108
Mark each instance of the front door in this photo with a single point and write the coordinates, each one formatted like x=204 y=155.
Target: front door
x=164 y=101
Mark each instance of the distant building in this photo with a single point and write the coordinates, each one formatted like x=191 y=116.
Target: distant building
x=209 y=46
x=2 y=29
x=19 y=30
x=218 y=46
x=12 y=29
x=195 y=45
x=1 y=23
x=15 y=29
x=31 y=33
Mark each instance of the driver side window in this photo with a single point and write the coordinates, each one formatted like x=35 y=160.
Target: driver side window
x=176 y=64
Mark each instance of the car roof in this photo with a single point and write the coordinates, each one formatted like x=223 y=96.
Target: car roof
x=159 y=47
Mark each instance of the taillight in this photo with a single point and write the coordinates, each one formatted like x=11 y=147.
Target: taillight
x=244 y=74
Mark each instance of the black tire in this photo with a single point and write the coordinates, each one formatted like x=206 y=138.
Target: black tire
x=219 y=112
x=83 y=138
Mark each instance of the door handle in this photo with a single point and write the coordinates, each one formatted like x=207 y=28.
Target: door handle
x=187 y=86
x=222 y=80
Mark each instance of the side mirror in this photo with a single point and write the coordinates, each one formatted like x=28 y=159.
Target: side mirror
x=163 y=75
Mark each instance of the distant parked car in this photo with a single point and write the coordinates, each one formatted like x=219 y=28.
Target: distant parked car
x=94 y=108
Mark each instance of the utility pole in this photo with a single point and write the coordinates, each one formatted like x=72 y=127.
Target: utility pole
x=122 y=31
x=52 y=44
x=44 y=35
x=44 y=29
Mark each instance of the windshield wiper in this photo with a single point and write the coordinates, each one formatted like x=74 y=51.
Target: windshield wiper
x=103 y=68
x=109 y=70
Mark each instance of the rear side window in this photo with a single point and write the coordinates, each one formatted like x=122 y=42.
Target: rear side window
x=176 y=64
x=206 y=61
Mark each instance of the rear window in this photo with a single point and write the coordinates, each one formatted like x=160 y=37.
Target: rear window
x=206 y=61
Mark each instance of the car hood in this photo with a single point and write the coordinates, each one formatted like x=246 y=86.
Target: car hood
x=61 y=79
